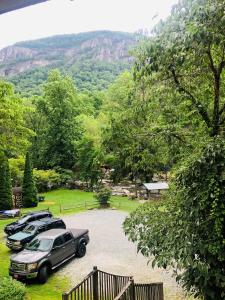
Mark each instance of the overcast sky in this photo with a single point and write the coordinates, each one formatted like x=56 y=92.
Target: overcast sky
x=65 y=16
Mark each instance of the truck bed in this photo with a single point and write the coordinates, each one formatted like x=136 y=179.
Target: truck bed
x=77 y=233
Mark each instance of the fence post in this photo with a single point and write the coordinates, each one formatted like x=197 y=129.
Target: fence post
x=132 y=289
x=115 y=283
x=64 y=296
x=95 y=283
x=161 y=291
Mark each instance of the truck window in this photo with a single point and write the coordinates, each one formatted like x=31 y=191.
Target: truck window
x=58 y=242
x=67 y=237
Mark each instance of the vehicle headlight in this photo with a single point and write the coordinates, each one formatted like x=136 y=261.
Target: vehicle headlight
x=31 y=267
x=17 y=243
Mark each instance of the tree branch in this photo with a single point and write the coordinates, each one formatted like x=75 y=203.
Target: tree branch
x=197 y=104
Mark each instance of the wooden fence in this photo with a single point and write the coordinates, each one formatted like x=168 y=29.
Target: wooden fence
x=84 y=205
x=99 y=285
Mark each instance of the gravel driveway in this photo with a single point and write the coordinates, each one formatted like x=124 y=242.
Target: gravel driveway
x=110 y=251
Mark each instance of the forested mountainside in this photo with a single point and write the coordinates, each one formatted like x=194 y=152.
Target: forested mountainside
x=93 y=59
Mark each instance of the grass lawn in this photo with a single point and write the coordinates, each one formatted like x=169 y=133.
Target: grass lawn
x=53 y=289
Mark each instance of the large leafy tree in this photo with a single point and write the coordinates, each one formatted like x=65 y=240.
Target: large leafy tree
x=59 y=106
x=183 y=62
x=14 y=133
x=5 y=184
x=131 y=135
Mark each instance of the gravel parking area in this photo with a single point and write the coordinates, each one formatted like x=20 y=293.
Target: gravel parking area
x=110 y=251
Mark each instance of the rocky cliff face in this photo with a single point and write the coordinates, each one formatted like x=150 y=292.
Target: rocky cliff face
x=66 y=50
x=93 y=59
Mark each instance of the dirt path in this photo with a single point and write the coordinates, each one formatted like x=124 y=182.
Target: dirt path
x=110 y=251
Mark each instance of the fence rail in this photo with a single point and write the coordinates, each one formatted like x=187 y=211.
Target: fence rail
x=127 y=293
x=84 y=205
x=99 y=285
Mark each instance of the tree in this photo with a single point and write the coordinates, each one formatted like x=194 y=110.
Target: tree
x=5 y=184
x=29 y=192
x=14 y=134
x=89 y=161
x=60 y=109
x=183 y=62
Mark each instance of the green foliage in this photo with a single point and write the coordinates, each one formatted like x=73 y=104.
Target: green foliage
x=88 y=166
x=14 y=133
x=11 y=289
x=16 y=166
x=59 y=108
x=29 y=192
x=183 y=67
x=5 y=184
x=103 y=195
x=188 y=233
x=138 y=152
x=46 y=180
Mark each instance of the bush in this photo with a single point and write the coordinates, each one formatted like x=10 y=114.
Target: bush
x=46 y=180
x=103 y=196
x=11 y=289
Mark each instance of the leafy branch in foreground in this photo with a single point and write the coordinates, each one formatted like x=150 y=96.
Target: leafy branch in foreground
x=188 y=232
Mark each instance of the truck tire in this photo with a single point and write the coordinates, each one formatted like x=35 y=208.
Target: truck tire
x=81 y=250
x=43 y=274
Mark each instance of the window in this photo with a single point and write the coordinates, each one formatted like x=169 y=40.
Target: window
x=67 y=237
x=39 y=245
x=58 y=242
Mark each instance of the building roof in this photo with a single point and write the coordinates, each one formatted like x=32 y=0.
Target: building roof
x=9 y=5
x=156 y=186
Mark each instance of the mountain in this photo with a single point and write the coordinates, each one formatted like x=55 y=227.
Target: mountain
x=93 y=59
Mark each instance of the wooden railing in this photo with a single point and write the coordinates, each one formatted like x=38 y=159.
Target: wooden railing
x=151 y=291
x=99 y=285
x=128 y=292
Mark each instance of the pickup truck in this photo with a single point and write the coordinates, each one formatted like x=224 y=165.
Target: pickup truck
x=18 y=240
x=48 y=251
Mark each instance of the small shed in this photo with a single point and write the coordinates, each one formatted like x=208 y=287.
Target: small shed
x=155 y=187
x=17 y=197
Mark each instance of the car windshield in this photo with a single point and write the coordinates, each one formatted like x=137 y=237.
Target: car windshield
x=30 y=229
x=23 y=220
x=40 y=245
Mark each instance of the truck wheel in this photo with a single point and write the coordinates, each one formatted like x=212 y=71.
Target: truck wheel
x=81 y=250
x=43 y=274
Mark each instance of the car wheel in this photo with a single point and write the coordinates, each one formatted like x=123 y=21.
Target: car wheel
x=43 y=274
x=81 y=250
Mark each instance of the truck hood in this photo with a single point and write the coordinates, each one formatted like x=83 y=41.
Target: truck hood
x=27 y=256
x=19 y=236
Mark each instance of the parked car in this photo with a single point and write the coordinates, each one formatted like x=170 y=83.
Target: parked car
x=48 y=251
x=12 y=213
x=25 y=220
x=18 y=240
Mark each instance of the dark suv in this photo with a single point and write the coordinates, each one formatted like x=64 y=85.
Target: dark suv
x=25 y=220
x=18 y=240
